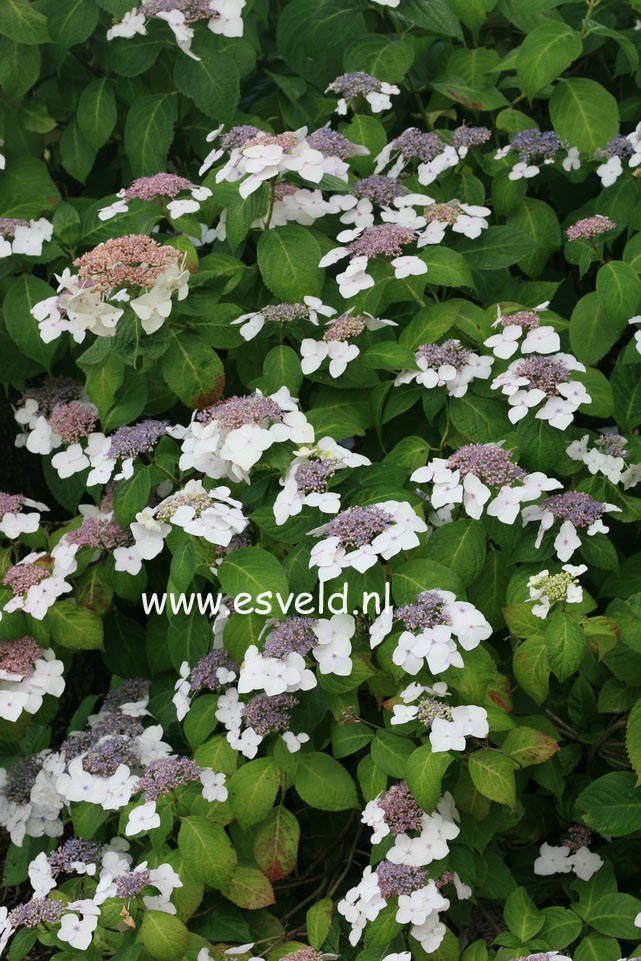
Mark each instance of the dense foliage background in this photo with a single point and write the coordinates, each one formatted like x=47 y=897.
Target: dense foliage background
x=459 y=401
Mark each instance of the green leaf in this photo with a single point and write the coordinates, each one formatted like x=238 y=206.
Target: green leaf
x=206 y=851
x=493 y=775
x=349 y=738
x=460 y=546
x=27 y=190
x=591 y=335
x=522 y=916
x=253 y=789
x=288 y=259
x=132 y=495
x=497 y=247
x=480 y=419
x=323 y=783
x=164 y=936
x=531 y=668
x=626 y=390
x=424 y=775
x=276 y=844
x=437 y=17
x=618 y=288
x=423 y=575
x=23 y=294
x=527 y=746
x=252 y=570
x=149 y=131
x=71 y=21
x=282 y=367
x=612 y=804
x=188 y=637
x=447 y=268
x=20 y=21
x=391 y=753
x=318 y=921
x=544 y=54
x=75 y=627
x=566 y=643
x=211 y=82
x=633 y=739
x=388 y=60
x=584 y=113
x=76 y=154
x=249 y=888
x=97 y=113
x=614 y=915
x=561 y=927
x=193 y=370
x=304 y=30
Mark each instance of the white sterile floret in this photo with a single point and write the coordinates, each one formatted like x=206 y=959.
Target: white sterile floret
x=358 y=536
x=23 y=236
x=548 y=589
x=307 y=477
x=449 y=365
x=278 y=315
x=274 y=675
x=566 y=859
x=27 y=674
x=484 y=479
x=334 y=644
x=576 y=511
x=543 y=381
x=434 y=623
x=229 y=438
x=606 y=457
x=522 y=331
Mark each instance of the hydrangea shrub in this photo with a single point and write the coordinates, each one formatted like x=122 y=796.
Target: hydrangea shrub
x=320 y=596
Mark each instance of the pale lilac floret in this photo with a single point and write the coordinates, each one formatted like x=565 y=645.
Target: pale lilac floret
x=428 y=611
x=574 y=506
x=491 y=463
x=100 y=532
x=465 y=137
x=21 y=777
x=73 y=421
x=64 y=859
x=134 y=439
x=402 y=813
x=354 y=84
x=37 y=911
x=534 y=143
x=269 y=715
x=130 y=884
x=544 y=373
x=313 y=475
x=331 y=143
x=234 y=412
x=167 y=774
x=105 y=759
x=293 y=635
x=285 y=313
x=415 y=144
x=19 y=656
x=397 y=879
x=358 y=526
x=527 y=319
x=205 y=673
x=158 y=185
x=378 y=188
x=384 y=240
x=589 y=227
x=344 y=328
x=451 y=352
x=21 y=577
